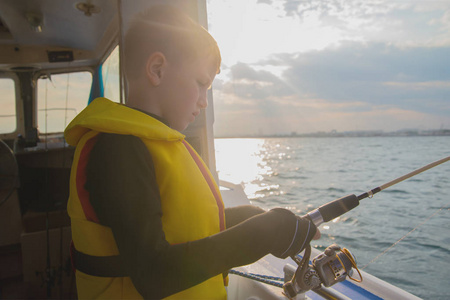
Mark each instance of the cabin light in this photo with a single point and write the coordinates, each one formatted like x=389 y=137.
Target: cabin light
x=88 y=8
x=35 y=21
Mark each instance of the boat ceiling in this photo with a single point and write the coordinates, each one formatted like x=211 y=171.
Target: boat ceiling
x=63 y=26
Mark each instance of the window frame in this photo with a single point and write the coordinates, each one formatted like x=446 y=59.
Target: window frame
x=19 y=128
x=102 y=64
x=53 y=72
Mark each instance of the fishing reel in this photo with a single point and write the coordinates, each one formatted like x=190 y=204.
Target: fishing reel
x=328 y=268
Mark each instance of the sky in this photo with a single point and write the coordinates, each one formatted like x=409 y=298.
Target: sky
x=322 y=65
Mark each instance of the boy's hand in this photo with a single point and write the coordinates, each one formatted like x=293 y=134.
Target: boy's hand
x=297 y=234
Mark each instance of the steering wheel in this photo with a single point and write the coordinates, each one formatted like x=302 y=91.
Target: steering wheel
x=9 y=172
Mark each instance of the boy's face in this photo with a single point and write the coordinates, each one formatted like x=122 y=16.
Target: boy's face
x=183 y=91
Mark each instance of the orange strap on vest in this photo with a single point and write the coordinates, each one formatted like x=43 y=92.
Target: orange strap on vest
x=210 y=183
x=83 y=195
x=101 y=266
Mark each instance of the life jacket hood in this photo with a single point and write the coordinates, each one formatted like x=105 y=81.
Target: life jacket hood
x=103 y=115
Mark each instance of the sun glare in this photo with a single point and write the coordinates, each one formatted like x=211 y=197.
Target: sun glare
x=248 y=32
x=238 y=159
x=240 y=162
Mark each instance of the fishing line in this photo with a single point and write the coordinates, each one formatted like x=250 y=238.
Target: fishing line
x=46 y=111
x=123 y=86
x=67 y=101
x=403 y=237
x=47 y=272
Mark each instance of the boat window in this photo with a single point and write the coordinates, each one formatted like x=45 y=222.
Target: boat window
x=111 y=77
x=60 y=98
x=8 y=106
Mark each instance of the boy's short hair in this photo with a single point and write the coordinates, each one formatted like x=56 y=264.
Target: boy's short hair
x=166 y=29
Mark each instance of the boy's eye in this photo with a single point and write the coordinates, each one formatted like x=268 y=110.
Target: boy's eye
x=204 y=84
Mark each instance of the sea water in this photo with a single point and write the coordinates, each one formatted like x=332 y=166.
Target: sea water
x=303 y=173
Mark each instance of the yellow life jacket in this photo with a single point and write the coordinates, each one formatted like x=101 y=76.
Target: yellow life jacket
x=191 y=203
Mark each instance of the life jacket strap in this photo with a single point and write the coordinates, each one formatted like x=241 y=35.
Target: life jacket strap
x=101 y=266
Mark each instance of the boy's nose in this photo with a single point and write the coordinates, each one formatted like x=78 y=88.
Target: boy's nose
x=203 y=100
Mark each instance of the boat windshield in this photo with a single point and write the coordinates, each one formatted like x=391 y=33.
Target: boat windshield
x=60 y=97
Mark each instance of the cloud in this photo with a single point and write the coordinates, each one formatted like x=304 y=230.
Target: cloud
x=247 y=82
x=373 y=73
x=358 y=86
x=402 y=22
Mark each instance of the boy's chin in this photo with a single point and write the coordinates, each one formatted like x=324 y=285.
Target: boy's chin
x=180 y=127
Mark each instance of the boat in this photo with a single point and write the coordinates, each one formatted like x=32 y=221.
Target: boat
x=55 y=57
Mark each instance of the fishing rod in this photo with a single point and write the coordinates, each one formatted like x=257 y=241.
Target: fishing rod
x=335 y=264
x=338 y=207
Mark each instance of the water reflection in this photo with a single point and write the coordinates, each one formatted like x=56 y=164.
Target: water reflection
x=302 y=174
x=255 y=164
x=243 y=161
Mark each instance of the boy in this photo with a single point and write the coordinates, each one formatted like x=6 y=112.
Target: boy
x=147 y=217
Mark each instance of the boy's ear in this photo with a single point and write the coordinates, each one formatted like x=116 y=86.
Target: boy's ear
x=154 y=70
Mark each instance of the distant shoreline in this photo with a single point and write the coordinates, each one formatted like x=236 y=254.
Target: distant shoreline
x=375 y=133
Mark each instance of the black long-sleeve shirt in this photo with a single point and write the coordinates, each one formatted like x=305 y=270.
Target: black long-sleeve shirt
x=125 y=196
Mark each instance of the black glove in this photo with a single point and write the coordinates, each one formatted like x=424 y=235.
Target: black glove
x=294 y=235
